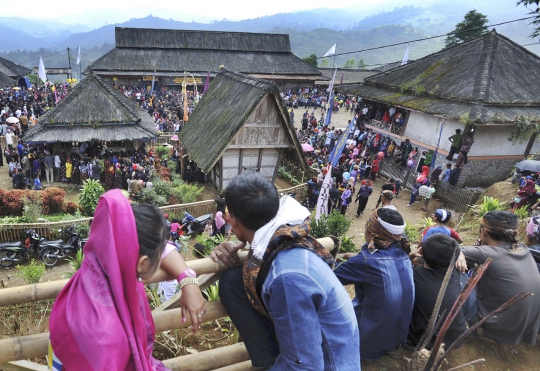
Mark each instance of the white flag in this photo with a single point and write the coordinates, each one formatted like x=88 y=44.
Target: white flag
x=324 y=195
x=41 y=72
x=332 y=51
x=331 y=86
x=406 y=56
x=79 y=56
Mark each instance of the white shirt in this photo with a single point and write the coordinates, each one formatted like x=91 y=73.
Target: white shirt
x=391 y=207
x=9 y=138
x=57 y=161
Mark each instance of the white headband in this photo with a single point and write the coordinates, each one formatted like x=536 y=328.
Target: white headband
x=394 y=229
x=444 y=214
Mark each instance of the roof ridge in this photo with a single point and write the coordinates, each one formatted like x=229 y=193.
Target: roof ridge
x=487 y=67
x=202 y=31
x=116 y=95
x=241 y=77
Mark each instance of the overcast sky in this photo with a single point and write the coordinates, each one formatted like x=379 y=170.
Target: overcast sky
x=199 y=10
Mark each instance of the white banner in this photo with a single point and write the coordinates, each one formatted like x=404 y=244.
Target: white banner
x=324 y=195
x=332 y=51
x=41 y=72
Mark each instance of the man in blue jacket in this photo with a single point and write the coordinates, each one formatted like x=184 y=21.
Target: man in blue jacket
x=286 y=303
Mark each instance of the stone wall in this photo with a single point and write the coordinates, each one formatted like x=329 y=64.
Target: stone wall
x=483 y=173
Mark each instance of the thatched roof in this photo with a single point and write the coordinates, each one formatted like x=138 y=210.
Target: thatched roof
x=142 y=51
x=489 y=79
x=5 y=80
x=350 y=75
x=223 y=111
x=93 y=110
x=389 y=66
x=147 y=38
x=12 y=69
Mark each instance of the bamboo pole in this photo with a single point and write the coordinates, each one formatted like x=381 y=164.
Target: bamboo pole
x=242 y=366
x=210 y=359
x=49 y=290
x=30 y=346
x=23 y=366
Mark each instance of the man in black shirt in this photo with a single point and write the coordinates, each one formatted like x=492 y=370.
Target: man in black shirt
x=333 y=202
x=437 y=251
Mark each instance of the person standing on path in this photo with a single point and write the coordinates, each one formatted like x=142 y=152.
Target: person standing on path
x=346 y=199
x=427 y=197
x=48 y=161
x=456 y=144
x=363 y=196
x=57 y=166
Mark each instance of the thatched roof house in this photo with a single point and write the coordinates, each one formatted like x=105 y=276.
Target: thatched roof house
x=489 y=79
x=6 y=81
x=93 y=111
x=240 y=125
x=488 y=86
x=141 y=51
x=12 y=69
x=350 y=76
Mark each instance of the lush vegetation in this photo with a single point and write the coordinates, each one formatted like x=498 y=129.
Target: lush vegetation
x=489 y=204
x=32 y=272
x=285 y=174
x=412 y=233
x=89 y=196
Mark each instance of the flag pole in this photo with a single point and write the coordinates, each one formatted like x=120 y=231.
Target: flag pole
x=334 y=60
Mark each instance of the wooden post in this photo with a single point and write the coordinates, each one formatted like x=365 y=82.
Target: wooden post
x=210 y=359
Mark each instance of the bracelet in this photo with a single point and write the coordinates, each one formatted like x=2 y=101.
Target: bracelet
x=188 y=281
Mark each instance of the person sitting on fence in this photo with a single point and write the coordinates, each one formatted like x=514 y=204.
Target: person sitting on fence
x=101 y=319
x=512 y=270
x=383 y=281
x=289 y=308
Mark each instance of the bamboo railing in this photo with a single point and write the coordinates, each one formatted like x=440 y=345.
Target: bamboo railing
x=231 y=357
x=49 y=230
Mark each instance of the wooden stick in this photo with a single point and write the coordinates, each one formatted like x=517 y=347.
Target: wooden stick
x=467 y=364
x=23 y=366
x=210 y=359
x=50 y=290
x=31 y=346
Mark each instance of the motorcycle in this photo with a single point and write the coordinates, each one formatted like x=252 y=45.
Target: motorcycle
x=192 y=225
x=51 y=252
x=14 y=252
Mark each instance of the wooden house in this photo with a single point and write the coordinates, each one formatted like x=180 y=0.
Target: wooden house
x=240 y=124
x=488 y=87
x=6 y=81
x=93 y=111
x=141 y=54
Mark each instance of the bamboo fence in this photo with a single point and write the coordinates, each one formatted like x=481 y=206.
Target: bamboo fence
x=232 y=357
x=51 y=230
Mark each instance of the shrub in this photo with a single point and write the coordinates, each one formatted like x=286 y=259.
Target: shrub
x=162 y=151
x=82 y=229
x=150 y=196
x=333 y=224
x=489 y=204
x=11 y=201
x=89 y=196
x=209 y=243
x=425 y=223
x=32 y=272
x=412 y=233
x=522 y=212
x=162 y=188
x=186 y=193
x=70 y=207
x=75 y=263
x=53 y=200
x=32 y=210
x=347 y=245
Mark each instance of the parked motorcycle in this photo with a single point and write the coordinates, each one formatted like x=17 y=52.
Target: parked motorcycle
x=14 y=252
x=51 y=252
x=192 y=225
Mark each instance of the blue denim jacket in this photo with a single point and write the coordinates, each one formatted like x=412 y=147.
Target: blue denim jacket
x=383 y=282
x=312 y=313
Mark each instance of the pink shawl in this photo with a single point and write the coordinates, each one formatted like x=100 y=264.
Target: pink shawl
x=101 y=320
x=219 y=220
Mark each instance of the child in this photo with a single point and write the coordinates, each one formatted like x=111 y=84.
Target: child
x=37 y=183
x=397 y=187
x=176 y=229
x=430 y=191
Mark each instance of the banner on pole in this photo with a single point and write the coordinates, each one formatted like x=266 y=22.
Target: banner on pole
x=324 y=195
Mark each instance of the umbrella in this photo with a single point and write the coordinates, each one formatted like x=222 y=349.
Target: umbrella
x=16 y=88
x=175 y=138
x=307 y=147
x=167 y=145
x=12 y=120
x=529 y=165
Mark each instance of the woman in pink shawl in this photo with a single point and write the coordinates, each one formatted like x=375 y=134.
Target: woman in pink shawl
x=101 y=320
x=220 y=223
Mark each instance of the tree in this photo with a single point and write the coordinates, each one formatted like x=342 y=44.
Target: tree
x=473 y=25
x=361 y=64
x=350 y=63
x=311 y=60
x=324 y=63
x=536 y=12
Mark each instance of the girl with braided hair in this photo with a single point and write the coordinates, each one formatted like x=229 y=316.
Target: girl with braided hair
x=512 y=270
x=383 y=282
